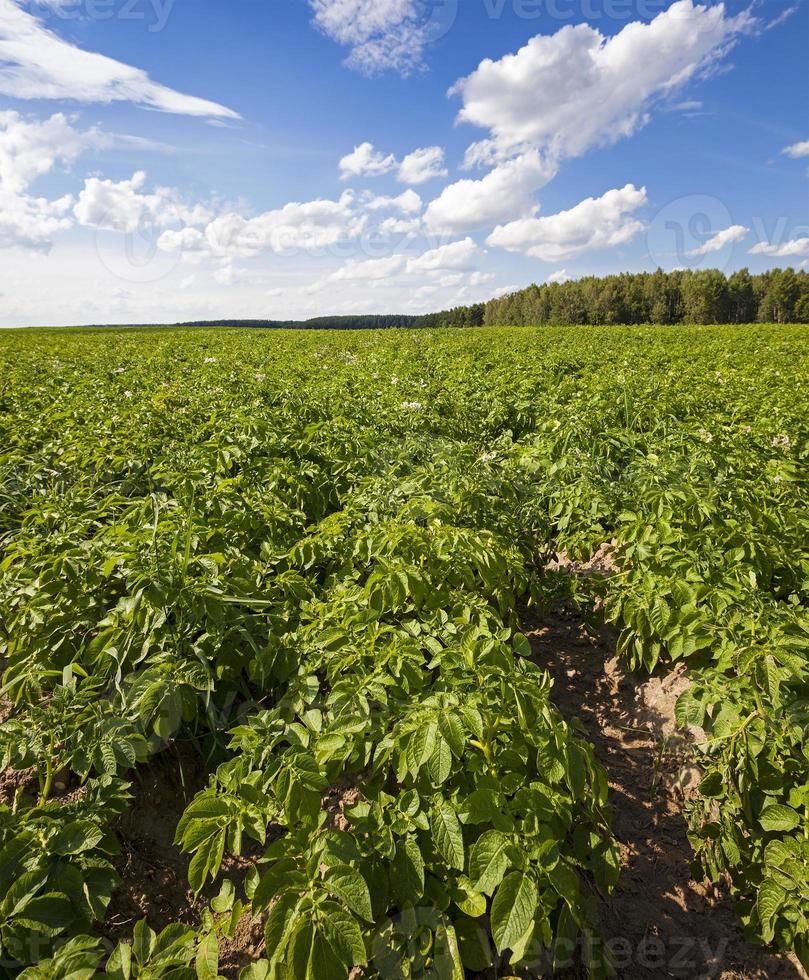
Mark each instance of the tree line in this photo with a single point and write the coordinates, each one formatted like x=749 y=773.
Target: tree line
x=378 y=321
x=684 y=296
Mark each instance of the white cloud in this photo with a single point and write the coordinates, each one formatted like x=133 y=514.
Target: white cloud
x=120 y=206
x=30 y=149
x=559 y=277
x=35 y=63
x=794 y=247
x=729 y=236
x=381 y=34
x=365 y=161
x=228 y=275
x=601 y=222
x=406 y=227
x=455 y=256
x=422 y=165
x=31 y=222
x=797 y=150
x=369 y=270
x=116 y=206
x=296 y=226
x=506 y=192
x=407 y=202
x=570 y=91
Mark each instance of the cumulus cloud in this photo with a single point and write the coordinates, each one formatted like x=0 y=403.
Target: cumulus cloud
x=422 y=165
x=304 y=226
x=30 y=149
x=729 y=236
x=369 y=270
x=31 y=222
x=382 y=35
x=570 y=91
x=561 y=276
x=504 y=193
x=455 y=256
x=404 y=227
x=408 y=202
x=365 y=161
x=121 y=206
x=601 y=222
x=795 y=247
x=116 y=206
x=797 y=150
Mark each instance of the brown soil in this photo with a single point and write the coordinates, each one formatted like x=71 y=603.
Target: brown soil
x=659 y=922
x=12 y=781
x=154 y=873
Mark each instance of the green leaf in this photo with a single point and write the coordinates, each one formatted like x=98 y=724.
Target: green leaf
x=76 y=837
x=345 y=937
x=447 y=834
x=473 y=941
x=348 y=885
x=260 y=970
x=144 y=941
x=324 y=961
x=468 y=899
x=224 y=900
x=779 y=818
x=439 y=765
x=21 y=891
x=451 y=727
x=488 y=861
x=768 y=903
x=50 y=914
x=407 y=871
x=421 y=746
x=513 y=910
x=119 y=965
x=206 y=963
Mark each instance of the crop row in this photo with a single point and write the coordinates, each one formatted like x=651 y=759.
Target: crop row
x=319 y=544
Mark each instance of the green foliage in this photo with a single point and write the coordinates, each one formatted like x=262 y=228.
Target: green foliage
x=685 y=296
x=308 y=554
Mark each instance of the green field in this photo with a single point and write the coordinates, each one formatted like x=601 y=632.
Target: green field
x=307 y=559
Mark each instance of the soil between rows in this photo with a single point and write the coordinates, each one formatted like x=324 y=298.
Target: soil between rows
x=658 y=922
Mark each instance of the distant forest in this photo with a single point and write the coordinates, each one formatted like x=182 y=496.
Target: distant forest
x=373 y=322
x=778 y=296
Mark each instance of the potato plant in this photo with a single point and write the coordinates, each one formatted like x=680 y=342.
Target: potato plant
x=310 y=556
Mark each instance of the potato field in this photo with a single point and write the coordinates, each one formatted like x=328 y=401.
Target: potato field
x=289 y=578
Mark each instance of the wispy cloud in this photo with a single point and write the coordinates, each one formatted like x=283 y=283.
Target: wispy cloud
x=35 y=63
x=383 y=35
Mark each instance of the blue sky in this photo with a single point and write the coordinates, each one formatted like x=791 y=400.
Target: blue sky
x=165 y=160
